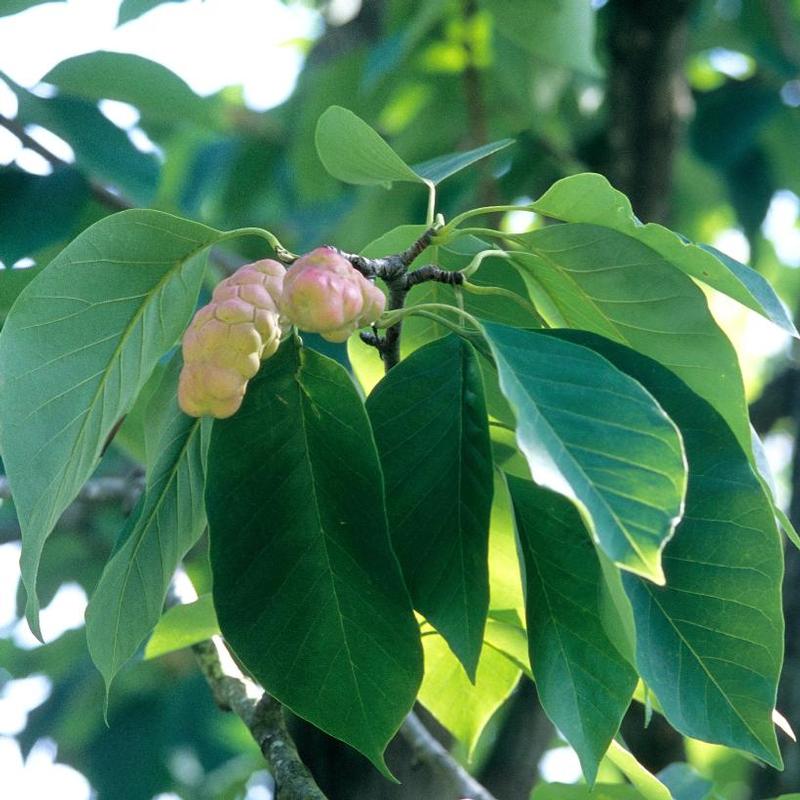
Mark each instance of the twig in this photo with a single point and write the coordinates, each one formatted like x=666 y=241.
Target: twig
x=429 y=751
x=262 y=715
x=393 y=270
x=430 y=272
x=388 y=268
x=100 y=192
x=103 y=194
x=260 y=712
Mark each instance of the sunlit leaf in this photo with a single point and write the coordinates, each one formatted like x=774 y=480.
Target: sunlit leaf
x=590 y=198
x=710 y=642
x=604 y=281
x=593 y=434
x=463 y=707
x=79 y=344
x=182 y=626
x=354 y=152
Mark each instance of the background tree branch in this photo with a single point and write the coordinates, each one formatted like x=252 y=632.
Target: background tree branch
x=262 y=715
x=648 y=99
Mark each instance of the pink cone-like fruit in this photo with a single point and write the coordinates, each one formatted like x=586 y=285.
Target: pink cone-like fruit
x=323 y=293
x=228 y=339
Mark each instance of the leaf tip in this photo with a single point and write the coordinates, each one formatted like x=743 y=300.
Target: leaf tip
x=379 y=762
x=648 y=567
x=32 y=616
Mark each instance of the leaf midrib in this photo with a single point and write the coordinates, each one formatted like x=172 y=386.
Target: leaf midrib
x=700 y=661
x=580 y=469
x=144 y=524
x=304 y=397
x=556 y=626
x=113 y=360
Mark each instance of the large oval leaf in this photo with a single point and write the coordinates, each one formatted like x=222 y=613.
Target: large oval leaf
x=79 y=343
x=156 y=91
x=603 y=281
x=593 y=434
x=562 y=33
x=432 y=432
x=710 y=642
x=461 y=705
x=584 y=683
x=168 y=520
x=307 y=589
x=101 y=148
x=590 y=198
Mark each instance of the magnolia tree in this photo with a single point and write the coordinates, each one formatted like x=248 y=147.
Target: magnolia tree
x=561 y=400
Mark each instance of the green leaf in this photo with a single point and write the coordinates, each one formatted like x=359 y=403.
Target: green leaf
x=710 y=642
x=585 y=685
x=593 y=434
x=354 y=152
x=38 y=210
x=78 y=345
x=8 y=7
x=600 y=791
x=590 y=198
x=559 y=32
x=101 y=148
x=463 y=707
x=137 y=429
x=12 y=282
x=505 y=579
x=437 y=169
x=168 y=520
x=307 y=589
x=764 y=473
x=606 y=282
x=182 y=626
x=752 y=290
x=429 y=419
x=509 y=638
x=647 y=784
x=155 y=90
x=685 y=783
x=133 y=9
